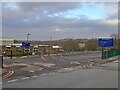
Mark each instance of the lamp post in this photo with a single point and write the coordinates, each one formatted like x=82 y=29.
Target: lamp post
x=50 y=44
x=28 y=37
x=27 y=42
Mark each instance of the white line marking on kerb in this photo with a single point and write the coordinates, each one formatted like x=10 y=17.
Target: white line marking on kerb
x=25 y=78
x=13 y=80
x=43 y=58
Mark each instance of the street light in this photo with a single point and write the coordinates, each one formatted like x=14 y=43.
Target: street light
x=28 y=37
x=51 y=39
x=50 y=44
x=27 y=42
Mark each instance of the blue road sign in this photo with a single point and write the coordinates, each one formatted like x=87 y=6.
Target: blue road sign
x=105 y=42
x=26 y=45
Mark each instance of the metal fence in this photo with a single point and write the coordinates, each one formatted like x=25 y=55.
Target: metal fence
x=110 y=53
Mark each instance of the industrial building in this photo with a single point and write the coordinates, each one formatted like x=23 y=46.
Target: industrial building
x=17 y=49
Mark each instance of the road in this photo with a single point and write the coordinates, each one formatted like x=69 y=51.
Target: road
x=102 y=76
x=32 y=66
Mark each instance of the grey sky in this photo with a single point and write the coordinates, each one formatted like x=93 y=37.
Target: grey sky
x=61 y=20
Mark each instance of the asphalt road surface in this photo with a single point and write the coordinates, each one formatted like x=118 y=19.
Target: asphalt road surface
x=32 y=66
x=102 y=76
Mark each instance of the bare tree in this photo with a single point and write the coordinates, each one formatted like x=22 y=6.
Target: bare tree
x=70 y=44
x=91 y=44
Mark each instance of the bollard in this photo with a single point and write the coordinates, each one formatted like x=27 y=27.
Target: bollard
x=102 y=54
x=11 y=54
x=2 y=61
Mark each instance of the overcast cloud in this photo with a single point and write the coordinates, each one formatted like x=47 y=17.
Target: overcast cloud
x=61 y=20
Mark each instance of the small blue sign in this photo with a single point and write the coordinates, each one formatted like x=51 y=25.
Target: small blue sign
x=26 y=45
x=105 y=42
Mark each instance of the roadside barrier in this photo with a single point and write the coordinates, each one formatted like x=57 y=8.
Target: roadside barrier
x=109 y=53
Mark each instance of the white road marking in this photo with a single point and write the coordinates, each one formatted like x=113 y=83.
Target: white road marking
x=25 y=78
x=74 y=62
x=91 y=64
x=116 y=61
x=84 y=66
x=9 y=74
x=19 y=64
x=40 y=69
x=64 y=57
x=34 y=76
x=45 y=64
x=53 y=72
x=13 y=80
x=32 y=71
x=71 y=68
x=43 y=74
x=52 y=56
x=43 y=58
x=66 y=68
x=87 y=65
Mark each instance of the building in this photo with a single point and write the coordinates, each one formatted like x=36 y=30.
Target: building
x=56 y=49
x=6 y=41
x=8 y=46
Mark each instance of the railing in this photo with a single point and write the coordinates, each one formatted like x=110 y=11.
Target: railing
x=109 y=53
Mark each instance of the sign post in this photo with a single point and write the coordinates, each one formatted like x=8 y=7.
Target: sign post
x=26 y=45
x=106 y=42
